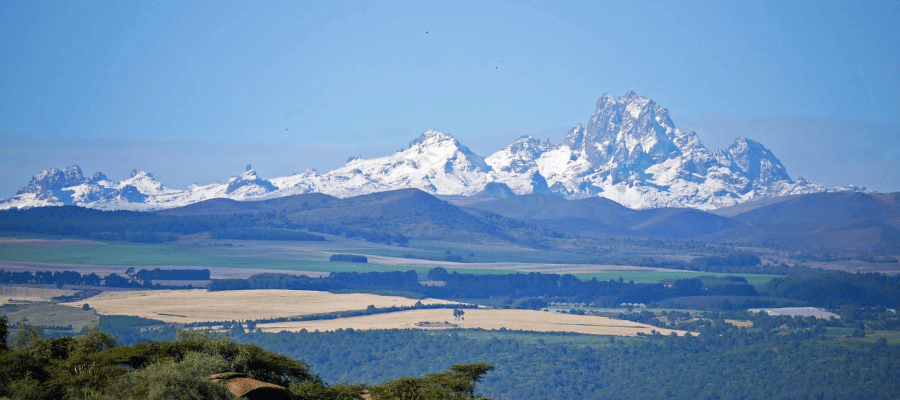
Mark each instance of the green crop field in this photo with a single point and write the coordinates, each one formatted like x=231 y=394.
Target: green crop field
x=662 y=276
x=168 y=255
x=285 y=257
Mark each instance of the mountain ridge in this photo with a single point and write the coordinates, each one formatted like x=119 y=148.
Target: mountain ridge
x=629 y=152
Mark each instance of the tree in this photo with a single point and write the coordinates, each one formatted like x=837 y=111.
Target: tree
x=4 y=332
x=458 y=313
x=456 y=383
x=437 y=274
x=26 y=337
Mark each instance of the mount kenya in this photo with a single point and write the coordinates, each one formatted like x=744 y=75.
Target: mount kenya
x=629 y=152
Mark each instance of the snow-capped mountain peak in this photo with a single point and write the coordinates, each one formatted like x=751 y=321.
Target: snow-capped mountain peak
x=754 y=160
x=629 y=151
x=248 y=184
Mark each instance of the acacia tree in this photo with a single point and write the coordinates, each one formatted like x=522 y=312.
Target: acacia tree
x=458 y=313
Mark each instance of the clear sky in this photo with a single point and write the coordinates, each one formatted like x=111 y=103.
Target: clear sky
x=194 y=91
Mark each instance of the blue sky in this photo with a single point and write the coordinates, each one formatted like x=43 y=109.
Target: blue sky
x=194 y=91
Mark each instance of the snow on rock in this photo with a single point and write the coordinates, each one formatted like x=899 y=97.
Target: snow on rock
x=629 y=151
x=435 y=162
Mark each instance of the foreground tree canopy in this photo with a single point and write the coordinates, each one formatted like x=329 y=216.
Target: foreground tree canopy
x=92 y=366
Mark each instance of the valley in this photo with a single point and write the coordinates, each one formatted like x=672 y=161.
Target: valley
x=543 y=293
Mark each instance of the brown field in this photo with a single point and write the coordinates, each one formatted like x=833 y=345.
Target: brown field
x=186 y=306
x=12 y=294
x=524 y=320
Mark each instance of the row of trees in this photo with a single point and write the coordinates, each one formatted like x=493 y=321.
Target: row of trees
x=513 y=286
x=141 y=278
x=825 y=289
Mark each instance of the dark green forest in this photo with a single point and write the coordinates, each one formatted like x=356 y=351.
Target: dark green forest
x=774 y=358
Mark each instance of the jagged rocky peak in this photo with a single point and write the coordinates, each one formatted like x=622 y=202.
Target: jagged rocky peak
x=520 y=156
x=135 y=174
x=48 y=181
x=528 y=145
x=456 y=157
x=249 y=182
x=575 y=138
x=631 y=130
x=98 y=177
x=754 y=160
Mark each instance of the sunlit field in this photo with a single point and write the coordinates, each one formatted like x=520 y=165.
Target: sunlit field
x=187 y=306
x=519 y=320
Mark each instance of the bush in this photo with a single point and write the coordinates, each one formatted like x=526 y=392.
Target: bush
x=349 y=258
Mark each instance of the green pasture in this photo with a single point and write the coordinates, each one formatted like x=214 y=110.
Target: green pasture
x=149 y=255
x=469 y=255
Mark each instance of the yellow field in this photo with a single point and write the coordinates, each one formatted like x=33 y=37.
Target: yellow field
x=185 y=306
x=20 y=293
x=529 y=320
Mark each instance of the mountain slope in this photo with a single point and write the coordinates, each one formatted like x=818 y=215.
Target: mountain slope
x=596 y=216
x=822 y=222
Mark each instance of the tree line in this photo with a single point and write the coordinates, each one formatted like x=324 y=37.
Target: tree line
x=534 y=290
x=141 y=278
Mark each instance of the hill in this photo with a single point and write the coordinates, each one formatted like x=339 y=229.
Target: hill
x=828 y=222
x=597 y=216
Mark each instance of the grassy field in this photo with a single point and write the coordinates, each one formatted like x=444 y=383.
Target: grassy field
x=313 y=257
x=14 y=294
x=186 y=306
x=40 y=313
x=149 y=255
x=516 y=320
x=478 y=253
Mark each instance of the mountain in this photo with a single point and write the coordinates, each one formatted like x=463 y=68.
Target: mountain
x=597 y=216
x=846 y=222
x=629 y=152
x=409 y=212
x=435 y=162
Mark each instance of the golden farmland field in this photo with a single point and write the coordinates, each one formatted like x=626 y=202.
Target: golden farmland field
x=527 y=320
x=186 y=306
x=22 y=293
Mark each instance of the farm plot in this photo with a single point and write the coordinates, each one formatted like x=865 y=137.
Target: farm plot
x=12 y=294
x=519 y=320
x=186 y=306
